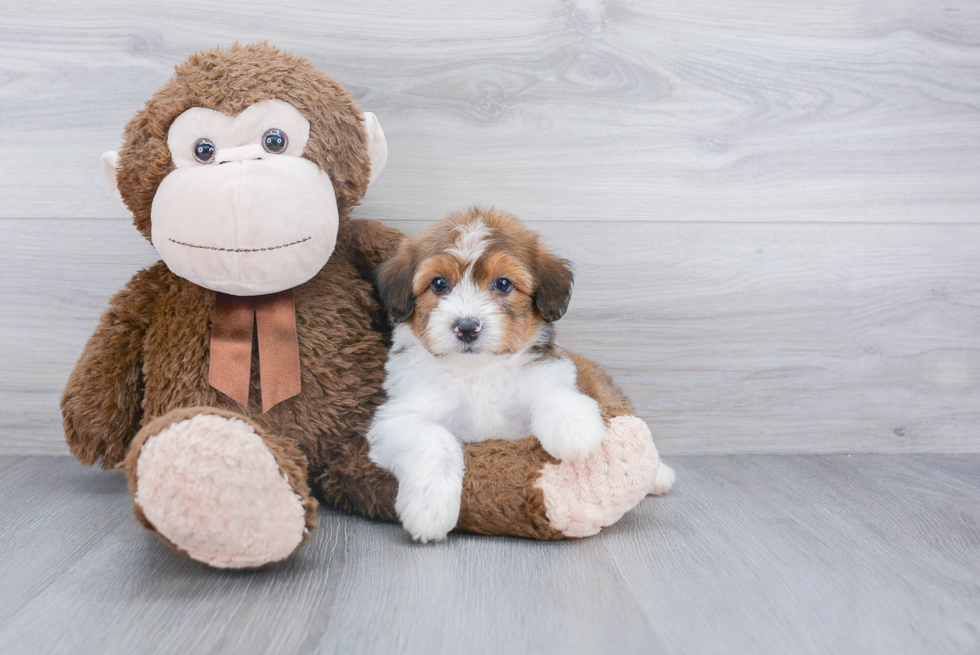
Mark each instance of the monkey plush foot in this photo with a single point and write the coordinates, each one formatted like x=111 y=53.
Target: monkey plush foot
x=580 y=498
x=218 y=491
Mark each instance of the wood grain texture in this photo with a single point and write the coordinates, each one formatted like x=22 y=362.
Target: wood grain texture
x=730 y=338
x=687 y=110
x=801 y=554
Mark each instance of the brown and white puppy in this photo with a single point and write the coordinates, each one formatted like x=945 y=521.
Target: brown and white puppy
x=474 y=298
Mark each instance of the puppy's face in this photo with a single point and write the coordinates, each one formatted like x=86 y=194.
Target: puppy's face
x=476 y=282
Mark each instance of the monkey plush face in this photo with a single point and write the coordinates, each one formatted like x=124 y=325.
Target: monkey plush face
x=243 y=212
x=245 y=190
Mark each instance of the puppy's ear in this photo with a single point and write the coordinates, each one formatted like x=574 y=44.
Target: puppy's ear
x=554 y=289
x=394 y=278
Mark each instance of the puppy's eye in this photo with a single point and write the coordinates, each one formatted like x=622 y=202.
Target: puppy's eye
x=503 y=285
x=275 y=141
x=440 y=285
x=204 y=151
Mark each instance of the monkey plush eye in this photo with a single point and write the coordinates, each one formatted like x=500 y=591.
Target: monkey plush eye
x=275 y=141
x=204 y=151
x=503 y=285
x=440 y=285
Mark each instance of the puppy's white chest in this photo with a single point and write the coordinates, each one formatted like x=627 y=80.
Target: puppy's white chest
x=491 y=407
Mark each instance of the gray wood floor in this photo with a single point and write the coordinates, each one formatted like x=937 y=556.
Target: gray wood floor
x=749 y=554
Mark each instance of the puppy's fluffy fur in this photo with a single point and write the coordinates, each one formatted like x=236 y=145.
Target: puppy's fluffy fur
x=474 y=357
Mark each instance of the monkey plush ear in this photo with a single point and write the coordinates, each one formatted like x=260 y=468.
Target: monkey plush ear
x=110 y=162
x=394 y=278
x=377 y=145
x=554 y=289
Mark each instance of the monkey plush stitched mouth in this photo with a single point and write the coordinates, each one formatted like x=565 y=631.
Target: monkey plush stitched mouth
x=243 y=212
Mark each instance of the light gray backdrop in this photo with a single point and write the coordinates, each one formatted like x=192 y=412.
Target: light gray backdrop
x=772 y=207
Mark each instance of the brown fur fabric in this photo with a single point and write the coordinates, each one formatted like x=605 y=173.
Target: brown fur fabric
x=499 y=496
x=146 y=365
x=596 y=383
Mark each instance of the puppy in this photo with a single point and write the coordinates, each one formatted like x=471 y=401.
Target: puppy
x=474 y=299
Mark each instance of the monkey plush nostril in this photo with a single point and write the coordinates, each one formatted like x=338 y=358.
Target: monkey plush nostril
x=239 y=154
x=467 y=329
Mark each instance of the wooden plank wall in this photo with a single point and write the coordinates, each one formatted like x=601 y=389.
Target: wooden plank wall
x=772 y=207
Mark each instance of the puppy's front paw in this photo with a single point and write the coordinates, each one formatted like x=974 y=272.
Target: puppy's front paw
x=571 y=429
x=429 y=510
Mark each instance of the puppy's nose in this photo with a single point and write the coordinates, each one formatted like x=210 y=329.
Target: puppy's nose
x=467 y=329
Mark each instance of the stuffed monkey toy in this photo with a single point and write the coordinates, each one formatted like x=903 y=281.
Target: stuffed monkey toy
x=233 y=381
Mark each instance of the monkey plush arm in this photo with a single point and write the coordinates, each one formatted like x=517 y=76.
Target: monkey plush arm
x=516 y=488
x=101 y=405
x=369 y=243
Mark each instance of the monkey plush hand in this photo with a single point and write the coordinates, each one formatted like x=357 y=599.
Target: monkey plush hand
x=234 y=380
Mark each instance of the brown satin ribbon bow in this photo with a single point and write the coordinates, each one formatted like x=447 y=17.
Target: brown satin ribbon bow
x=230 y=371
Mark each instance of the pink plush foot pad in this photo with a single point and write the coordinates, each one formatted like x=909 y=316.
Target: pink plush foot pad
x=210 y=486
x=583 y=497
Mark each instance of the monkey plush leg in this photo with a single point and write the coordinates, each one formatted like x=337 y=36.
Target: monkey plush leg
x=217 y=489
x=594 y=382
x=515 y=488
x=580 y=498
x=518 y=489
